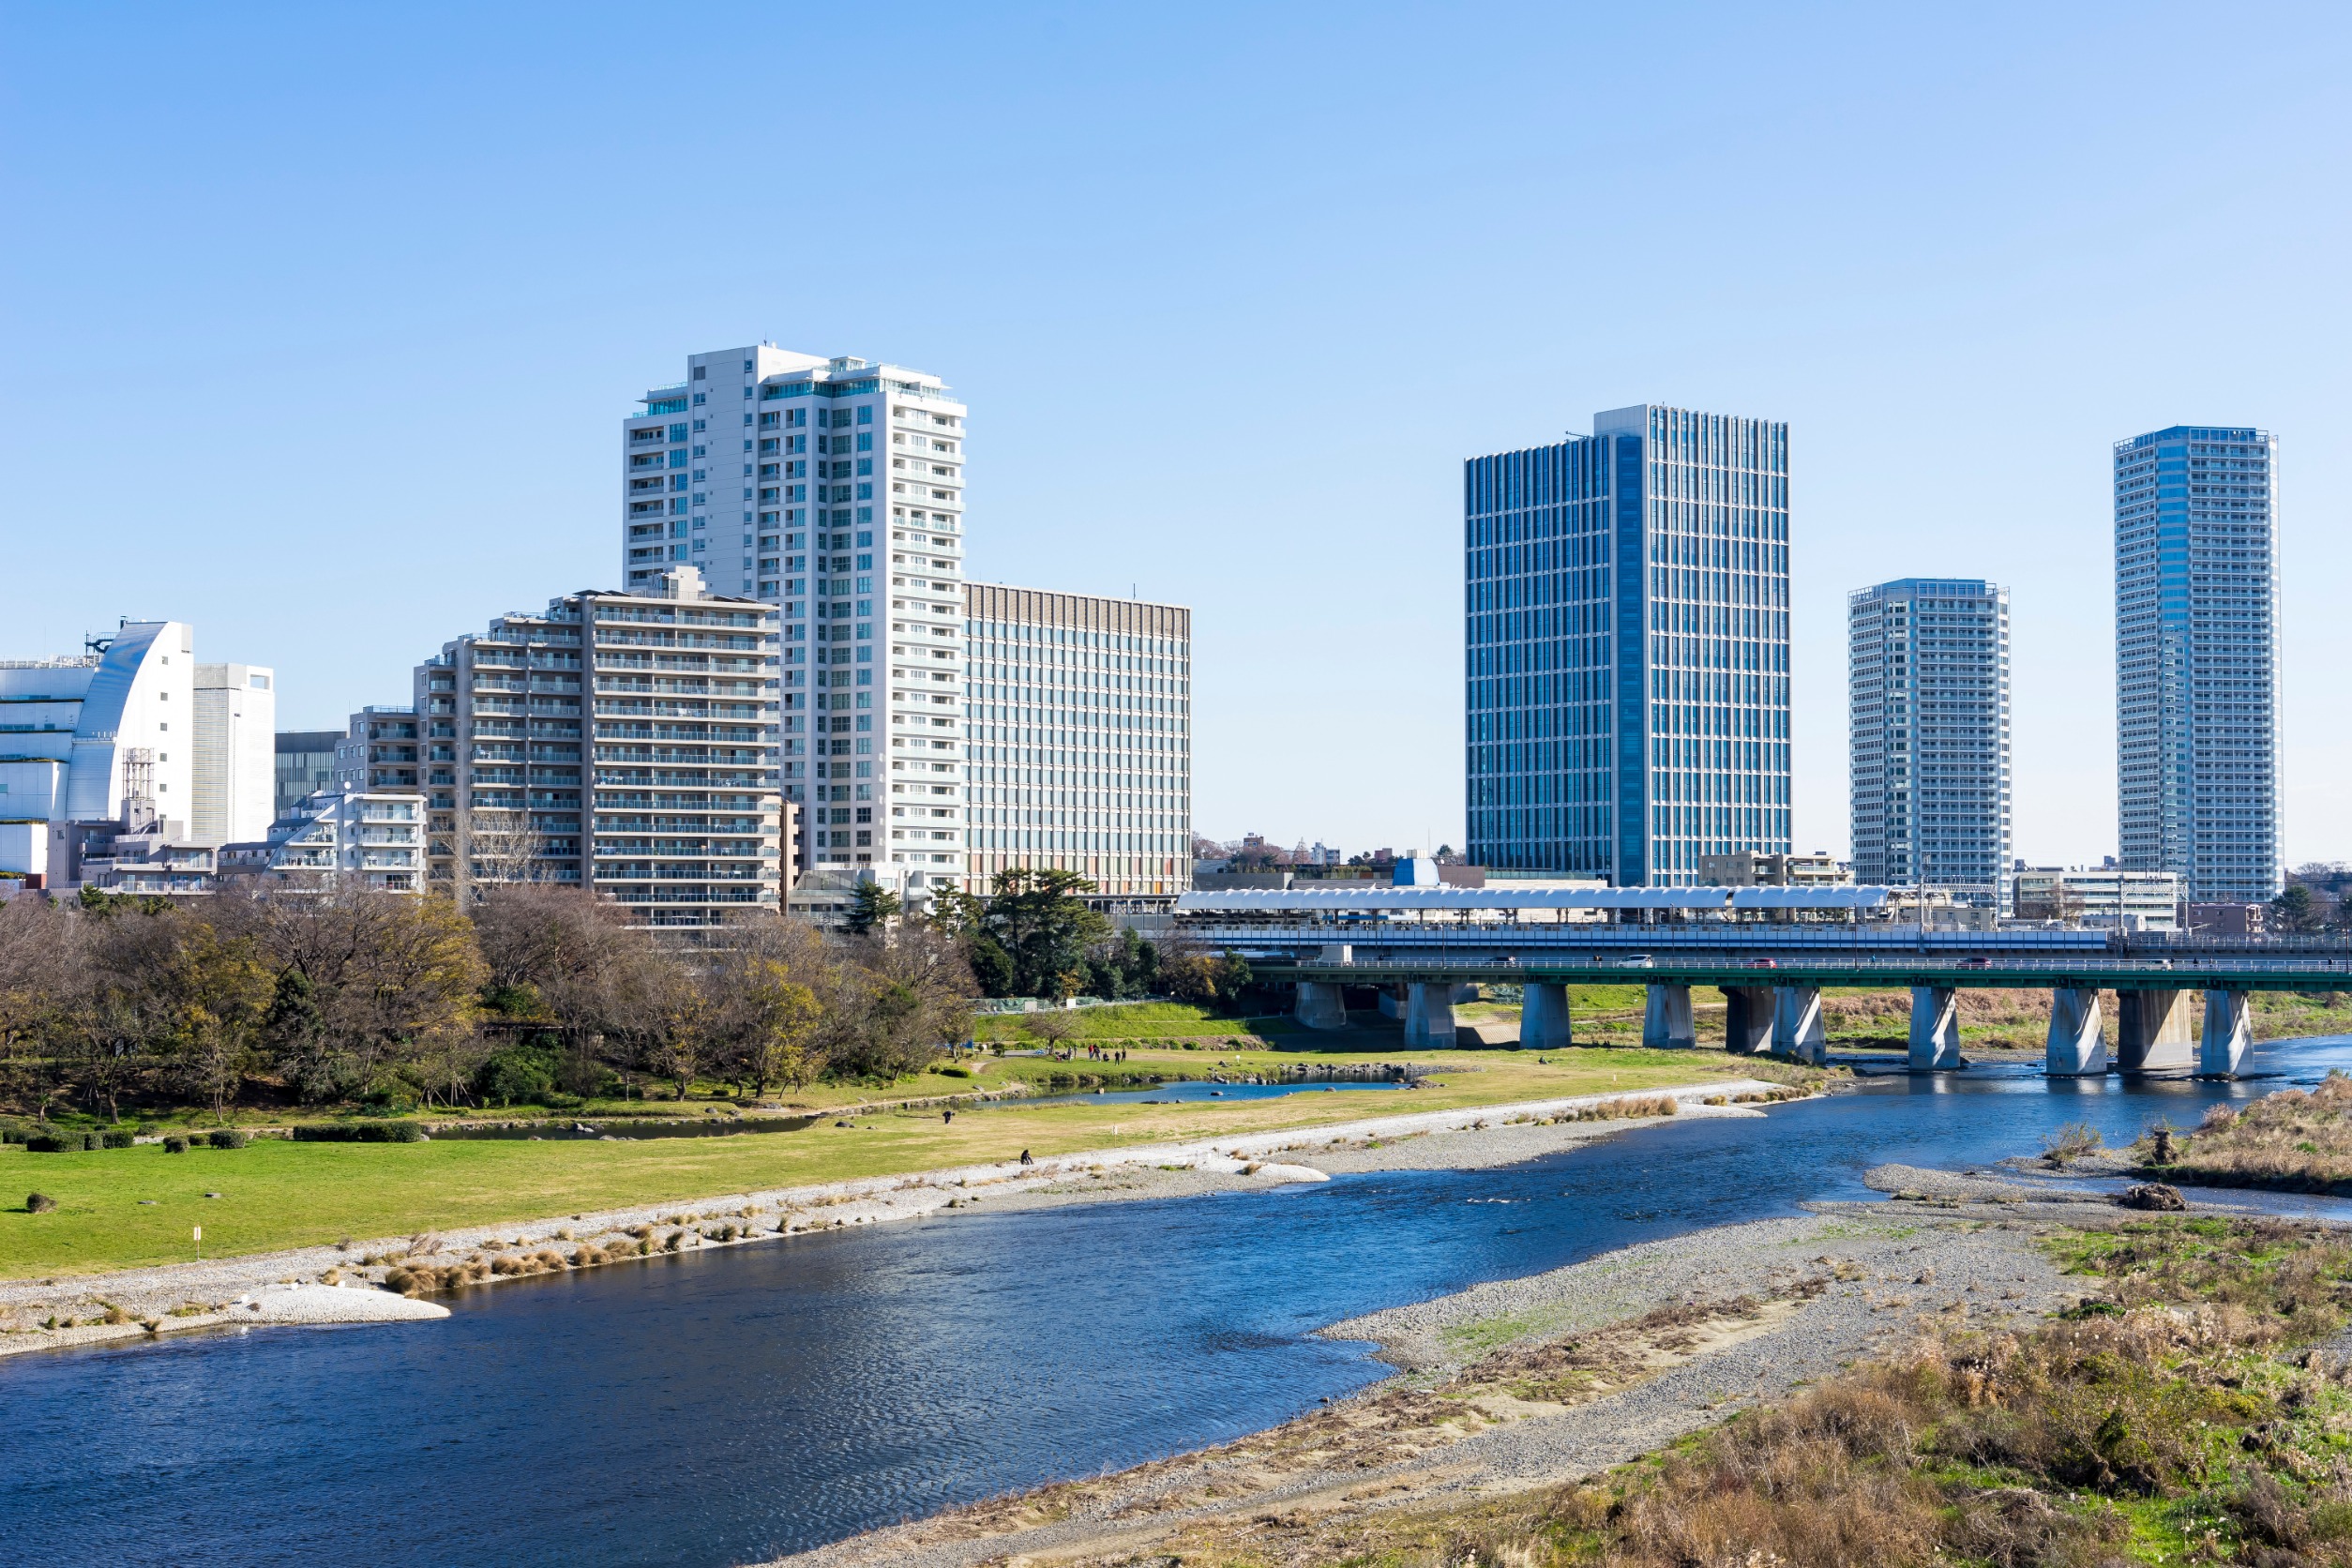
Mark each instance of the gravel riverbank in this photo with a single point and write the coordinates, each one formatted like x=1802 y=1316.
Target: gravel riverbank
x=1533 y=1382
x=346 y=1282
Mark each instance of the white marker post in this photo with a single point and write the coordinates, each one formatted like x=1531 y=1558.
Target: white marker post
x=199 y=1243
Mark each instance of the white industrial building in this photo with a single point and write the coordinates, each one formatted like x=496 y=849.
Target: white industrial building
x=117 y=741
x=237 y=747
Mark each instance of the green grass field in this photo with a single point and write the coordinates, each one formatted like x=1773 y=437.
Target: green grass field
x=128 y=1207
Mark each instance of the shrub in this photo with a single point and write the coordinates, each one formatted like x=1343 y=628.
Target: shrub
x=2070 y=1143
x=359 y=1132
x=39 y=1203
x=51 y=1143
x=227 y=1137
x=117 y=1141
x=174 y=1144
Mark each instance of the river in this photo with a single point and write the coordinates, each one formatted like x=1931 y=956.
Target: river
x=724 y=1407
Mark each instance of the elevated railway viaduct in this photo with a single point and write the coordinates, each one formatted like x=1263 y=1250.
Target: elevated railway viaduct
x=1772 y=952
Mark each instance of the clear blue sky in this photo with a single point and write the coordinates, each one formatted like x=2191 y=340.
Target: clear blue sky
x=318 y=321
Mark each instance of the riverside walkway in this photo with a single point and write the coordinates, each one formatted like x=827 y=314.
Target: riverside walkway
x=1770 y=951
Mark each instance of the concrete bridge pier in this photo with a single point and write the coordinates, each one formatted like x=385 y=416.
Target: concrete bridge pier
x=1429 y=1015
x=1797 y=1028
x=1747 y=1019
x=1543 y=1017
x=1666 y=1019
x=2153 y=1034
x=2077 y=1047
x=1322 y=1005
x=1935 y=1029
x=2228 y=1035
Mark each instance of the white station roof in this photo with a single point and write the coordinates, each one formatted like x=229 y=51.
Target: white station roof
x=1441 y=899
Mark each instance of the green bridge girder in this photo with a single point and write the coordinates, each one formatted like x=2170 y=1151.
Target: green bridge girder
x=1879 y=974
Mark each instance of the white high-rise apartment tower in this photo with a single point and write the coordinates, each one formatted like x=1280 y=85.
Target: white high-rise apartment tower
x=834 y=490
x=1929 y=687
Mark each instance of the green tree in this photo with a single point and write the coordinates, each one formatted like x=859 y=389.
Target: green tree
x=2297 y=910
x=1039 y=918
x=872 y=909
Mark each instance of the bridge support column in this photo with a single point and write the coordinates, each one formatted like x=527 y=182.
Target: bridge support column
x=1429 y=1016
x=1935 y=1029
x=1747 y=1026
x=2153 y=1034
x=2077 y=1047
x=1543 y=1017
x=2228 y=1035
x=1796 y=1031
x=1666 y=1019
x=1322 y=1005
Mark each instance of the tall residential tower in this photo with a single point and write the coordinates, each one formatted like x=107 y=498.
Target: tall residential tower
x=832 y=489
x=1927 y=661
x=1626 y=612
x=2197 y=659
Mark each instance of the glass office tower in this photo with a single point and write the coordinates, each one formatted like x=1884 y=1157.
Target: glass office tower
x=2197 y=659
x=1927 y=671
x=1626 y=620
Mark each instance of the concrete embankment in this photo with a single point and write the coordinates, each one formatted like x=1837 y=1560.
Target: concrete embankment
x=349 y=1279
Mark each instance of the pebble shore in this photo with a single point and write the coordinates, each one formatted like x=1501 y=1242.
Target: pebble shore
x=345 y=1282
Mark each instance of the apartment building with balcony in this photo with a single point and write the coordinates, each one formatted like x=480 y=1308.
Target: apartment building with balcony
x=379 y=750
x=831 y=488
x=373 y=838
x=626 y=742
x=1081 y=720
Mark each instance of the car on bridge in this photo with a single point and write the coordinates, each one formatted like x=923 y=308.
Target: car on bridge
x=1637 y=960
x=1763 y=963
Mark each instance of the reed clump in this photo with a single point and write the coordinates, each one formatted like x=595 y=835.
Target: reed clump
x=2296 y=1140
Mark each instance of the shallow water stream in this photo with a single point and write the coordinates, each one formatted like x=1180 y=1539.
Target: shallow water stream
x=720 y=1407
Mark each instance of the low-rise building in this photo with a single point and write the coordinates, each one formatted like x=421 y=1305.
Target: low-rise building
x=1753 y=869
x=2098 y=897
x=2225 y=920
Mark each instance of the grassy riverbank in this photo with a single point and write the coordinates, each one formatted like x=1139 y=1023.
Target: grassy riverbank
x=2291 y=1140
x=2179 y=1415
x=127 y=1208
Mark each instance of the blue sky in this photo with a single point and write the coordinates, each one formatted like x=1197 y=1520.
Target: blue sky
x=318 y=322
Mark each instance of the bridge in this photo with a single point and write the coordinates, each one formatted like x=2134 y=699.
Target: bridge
x=1770 y=951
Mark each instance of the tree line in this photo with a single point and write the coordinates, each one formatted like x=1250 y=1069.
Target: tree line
x=341 y=995
x=1036 y=935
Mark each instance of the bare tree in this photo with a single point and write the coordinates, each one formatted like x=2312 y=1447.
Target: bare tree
x=498 y=847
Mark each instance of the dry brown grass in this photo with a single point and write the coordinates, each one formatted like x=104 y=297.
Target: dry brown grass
x=2292 y=1140
x=2173 y=1419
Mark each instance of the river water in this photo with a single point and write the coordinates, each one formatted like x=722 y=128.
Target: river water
x=721 y=1408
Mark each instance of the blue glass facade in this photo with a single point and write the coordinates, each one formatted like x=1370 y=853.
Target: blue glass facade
x=1626 y=629
x=2197 y=659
